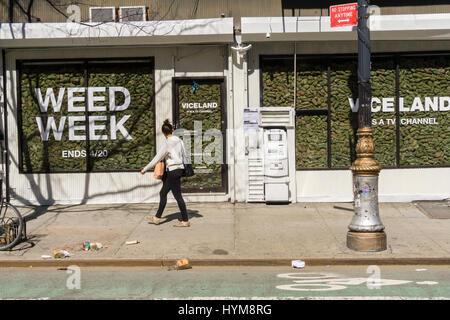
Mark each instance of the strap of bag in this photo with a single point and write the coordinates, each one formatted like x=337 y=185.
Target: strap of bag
x=185 y=159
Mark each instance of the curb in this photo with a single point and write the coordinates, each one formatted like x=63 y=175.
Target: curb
x=218 y=262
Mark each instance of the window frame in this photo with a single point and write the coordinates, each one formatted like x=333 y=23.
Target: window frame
x=220 y=80
x=85 y=66
x=396 y=58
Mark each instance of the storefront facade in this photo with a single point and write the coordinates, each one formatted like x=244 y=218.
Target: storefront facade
x=410 y=119
x=83 y=115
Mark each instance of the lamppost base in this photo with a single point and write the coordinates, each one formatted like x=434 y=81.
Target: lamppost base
x=367 y=241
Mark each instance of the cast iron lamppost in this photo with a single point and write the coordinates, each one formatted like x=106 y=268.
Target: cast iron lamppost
x=365 y=230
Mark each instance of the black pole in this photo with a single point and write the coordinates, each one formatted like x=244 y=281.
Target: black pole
x=364 y=89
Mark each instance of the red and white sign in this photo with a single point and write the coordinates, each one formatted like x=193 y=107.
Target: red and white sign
x=344 y=15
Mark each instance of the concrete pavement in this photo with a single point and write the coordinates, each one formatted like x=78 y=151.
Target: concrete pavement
x=225 y=233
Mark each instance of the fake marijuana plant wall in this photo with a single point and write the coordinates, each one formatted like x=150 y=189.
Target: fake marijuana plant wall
x=419 y=144
x=208 y=174
x=82 y=153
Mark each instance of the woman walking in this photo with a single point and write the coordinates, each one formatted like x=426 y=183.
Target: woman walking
x=172 y=152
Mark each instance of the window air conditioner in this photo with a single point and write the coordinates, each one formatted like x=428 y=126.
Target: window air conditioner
x=132 y=14
x=102 y=14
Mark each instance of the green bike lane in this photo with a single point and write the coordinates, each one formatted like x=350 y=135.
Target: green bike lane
x=327 y=282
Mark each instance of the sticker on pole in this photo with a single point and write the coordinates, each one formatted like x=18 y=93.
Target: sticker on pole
x=344 y=15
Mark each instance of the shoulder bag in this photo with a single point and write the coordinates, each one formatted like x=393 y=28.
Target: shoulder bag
x=188 y=170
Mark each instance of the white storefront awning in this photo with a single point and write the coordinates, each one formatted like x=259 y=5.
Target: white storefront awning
x=15 y=35
x=383 y=27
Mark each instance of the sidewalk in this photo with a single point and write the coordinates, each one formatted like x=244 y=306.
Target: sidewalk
x=225 y=233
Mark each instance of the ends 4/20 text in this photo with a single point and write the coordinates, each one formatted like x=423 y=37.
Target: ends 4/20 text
x=82 y=153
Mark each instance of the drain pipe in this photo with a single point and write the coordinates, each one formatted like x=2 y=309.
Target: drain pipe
x=241 y=52
x=5 y=126
x=295 y=66
x=295 y=74
x=230 y=120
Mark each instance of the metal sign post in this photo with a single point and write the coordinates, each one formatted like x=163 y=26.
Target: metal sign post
x=366 y=232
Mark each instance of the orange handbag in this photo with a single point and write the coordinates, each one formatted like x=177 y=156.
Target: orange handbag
x=159 y=170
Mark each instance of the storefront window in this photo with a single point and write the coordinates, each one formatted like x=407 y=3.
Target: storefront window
x=130 y=146
x=311 y=121
x=45 y=118
x=383 y=75
x=278 y=81
x=80 y=116
x=311 y=141
x=344 y=86
x=410 y=104
x=424 y=111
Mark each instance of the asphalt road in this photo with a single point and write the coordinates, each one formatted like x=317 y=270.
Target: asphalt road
x=328 y=282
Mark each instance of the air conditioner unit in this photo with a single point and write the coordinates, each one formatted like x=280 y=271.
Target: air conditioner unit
x=102 y=14
x=132 y=13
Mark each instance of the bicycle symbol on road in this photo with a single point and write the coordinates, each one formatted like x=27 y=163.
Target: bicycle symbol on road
x=308 y=281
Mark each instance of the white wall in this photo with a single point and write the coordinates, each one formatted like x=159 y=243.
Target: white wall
x=414 y=184
x=114 y=187
x=394 y=185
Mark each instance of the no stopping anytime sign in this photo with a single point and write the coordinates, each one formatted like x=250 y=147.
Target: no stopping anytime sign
x=343 y=15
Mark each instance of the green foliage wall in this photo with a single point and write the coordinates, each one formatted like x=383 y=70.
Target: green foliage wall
x=425 y=144
x=311 y=141
x=135 y=153
x=278 y=82
x=343 y=82
x=419 y=144
x=311 y=130
x=47 y=156
x=383 y=85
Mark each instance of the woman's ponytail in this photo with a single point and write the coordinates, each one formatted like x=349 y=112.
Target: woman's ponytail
x=167 y=127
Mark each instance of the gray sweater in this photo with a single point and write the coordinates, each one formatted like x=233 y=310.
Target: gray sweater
x=172 y=150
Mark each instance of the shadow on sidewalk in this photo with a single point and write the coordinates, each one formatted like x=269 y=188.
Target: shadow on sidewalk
x=177 y=215
x=26 y=244
x=37 y=212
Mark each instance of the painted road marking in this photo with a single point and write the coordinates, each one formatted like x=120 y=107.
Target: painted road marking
x=427 y=282
x=332 y=282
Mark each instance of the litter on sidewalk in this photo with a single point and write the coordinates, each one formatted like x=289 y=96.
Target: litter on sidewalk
x=87 y=245
x=181 y=264
x=58 y=254
x=298 y=264
x=44 y=256
x=132 y=242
